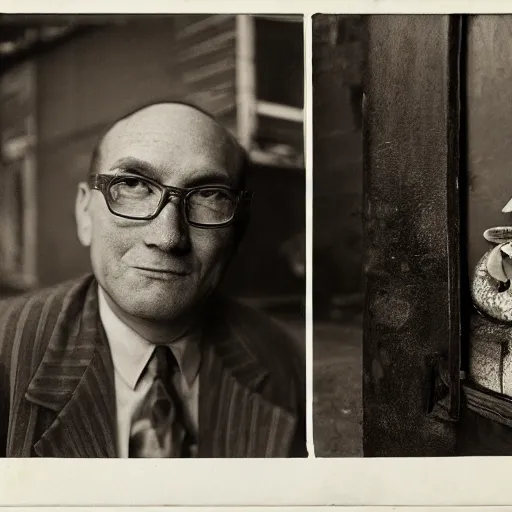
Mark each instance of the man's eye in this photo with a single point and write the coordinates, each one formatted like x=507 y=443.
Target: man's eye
x=135 y=185
x=208 y=193
x=130 y=187
x=217 y=194
x=132 y=182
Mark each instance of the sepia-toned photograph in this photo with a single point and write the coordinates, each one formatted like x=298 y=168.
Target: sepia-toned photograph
x=152 y=236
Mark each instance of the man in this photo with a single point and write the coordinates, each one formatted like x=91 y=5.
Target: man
x=145 y=359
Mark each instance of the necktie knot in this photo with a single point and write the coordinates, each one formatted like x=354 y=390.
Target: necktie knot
x=165 y=363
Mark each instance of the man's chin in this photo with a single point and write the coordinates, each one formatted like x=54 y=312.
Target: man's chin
x=154 y=300
x=156 y=311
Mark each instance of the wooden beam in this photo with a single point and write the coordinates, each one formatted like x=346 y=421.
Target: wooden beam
x=411 y=226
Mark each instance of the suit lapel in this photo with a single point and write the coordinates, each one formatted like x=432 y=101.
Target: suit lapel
x=76 y=380
x=235 y=420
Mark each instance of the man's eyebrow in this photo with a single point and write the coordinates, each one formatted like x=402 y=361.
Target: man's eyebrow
x=131 y=164
x=210 y=178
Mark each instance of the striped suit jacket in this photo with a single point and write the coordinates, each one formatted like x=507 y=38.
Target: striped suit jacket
x=57 y=395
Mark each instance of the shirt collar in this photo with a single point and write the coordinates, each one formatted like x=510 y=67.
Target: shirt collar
x=131 y=352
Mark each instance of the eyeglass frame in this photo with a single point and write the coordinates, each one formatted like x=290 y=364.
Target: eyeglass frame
x=102 y=183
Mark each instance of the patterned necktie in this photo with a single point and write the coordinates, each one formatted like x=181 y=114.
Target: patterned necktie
x=159 y=431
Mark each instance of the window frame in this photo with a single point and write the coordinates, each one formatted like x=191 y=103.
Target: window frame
x=249 y=107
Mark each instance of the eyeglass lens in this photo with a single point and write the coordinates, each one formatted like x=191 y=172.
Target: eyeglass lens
x=138 y=198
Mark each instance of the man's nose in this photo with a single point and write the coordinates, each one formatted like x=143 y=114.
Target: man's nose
x=169 y=230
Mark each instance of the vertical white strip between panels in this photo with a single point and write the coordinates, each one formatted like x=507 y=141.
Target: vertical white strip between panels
x=308 y=132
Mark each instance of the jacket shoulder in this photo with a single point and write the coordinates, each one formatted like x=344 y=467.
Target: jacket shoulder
x=273 y=345
x=28 y=319
x=266 y=336
x=27 y=322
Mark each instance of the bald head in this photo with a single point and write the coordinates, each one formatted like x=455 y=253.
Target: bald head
x=174 y=122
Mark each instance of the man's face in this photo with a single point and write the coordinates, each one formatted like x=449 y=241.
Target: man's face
x=160 y=269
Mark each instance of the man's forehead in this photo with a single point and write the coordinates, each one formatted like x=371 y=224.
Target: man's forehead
x=175 y=137
x=172 y=133
x=173 y=124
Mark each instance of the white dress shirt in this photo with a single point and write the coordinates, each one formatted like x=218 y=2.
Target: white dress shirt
x=130 y=355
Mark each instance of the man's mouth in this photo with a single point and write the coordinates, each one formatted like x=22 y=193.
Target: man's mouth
x=163 y=271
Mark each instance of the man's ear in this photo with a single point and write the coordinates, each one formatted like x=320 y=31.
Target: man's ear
x=83 y=214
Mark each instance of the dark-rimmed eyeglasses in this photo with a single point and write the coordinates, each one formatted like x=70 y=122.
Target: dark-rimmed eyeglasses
x=140 y=198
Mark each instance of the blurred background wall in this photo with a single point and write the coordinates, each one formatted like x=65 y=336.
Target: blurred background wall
x=64 y=79
x=339 y=44
x=339 y=55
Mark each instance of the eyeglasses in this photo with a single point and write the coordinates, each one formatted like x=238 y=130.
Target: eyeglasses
x=137 y=197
